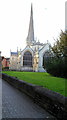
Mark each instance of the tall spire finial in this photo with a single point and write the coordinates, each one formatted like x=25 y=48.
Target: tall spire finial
x=30 y=37
x=31 y=9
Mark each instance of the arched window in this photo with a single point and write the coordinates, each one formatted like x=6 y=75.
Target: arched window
x=27 y=59
x=46 y=56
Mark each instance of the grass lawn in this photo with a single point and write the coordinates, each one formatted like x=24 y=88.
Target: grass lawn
x=43 y=79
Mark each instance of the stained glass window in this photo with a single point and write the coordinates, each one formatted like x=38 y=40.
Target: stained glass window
x=27 y=59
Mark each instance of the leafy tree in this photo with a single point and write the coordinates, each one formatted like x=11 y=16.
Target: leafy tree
x=57 y=64
x=60 y=46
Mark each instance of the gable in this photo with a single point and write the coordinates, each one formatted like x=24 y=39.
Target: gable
x=27 y=48
x=44 y=49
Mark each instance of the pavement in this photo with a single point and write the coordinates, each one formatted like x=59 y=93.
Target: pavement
x=16 y=104
x=0 y=98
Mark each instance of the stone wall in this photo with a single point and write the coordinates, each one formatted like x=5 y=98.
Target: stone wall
x=0 y=62
x=53 y=102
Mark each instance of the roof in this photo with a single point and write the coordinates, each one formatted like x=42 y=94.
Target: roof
x=7 y=58
x=14 y=53
x=38 y=43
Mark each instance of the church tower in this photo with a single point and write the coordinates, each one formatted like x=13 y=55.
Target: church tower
x=30 y=38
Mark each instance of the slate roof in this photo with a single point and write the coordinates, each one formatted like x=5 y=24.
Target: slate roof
x=14 y=53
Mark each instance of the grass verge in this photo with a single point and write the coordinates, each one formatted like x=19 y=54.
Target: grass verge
x=42 y=79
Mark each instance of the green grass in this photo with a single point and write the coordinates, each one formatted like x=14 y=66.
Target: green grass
x=42 y=79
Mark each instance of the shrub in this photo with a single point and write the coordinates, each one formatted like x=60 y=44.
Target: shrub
x=5 y=68
x=56 y=66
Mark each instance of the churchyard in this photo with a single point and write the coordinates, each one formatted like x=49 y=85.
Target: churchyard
x=56 y=84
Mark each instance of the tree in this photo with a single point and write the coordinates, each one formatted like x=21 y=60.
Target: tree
x=60 y=46
x=57 y=65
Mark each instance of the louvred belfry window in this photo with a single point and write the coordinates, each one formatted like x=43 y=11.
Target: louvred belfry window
x=27 y=59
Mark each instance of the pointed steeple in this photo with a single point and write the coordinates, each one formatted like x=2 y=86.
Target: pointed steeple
x=30 y=37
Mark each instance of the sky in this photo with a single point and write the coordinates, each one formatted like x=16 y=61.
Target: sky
x=48 y=17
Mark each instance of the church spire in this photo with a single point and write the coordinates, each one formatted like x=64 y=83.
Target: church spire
x=30 y=37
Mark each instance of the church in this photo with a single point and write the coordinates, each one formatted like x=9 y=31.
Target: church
x=31 y=57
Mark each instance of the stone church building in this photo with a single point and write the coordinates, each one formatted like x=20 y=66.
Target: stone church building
x=31 y=57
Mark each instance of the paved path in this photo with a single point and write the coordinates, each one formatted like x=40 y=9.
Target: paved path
x=16 y=104
x=0 y=98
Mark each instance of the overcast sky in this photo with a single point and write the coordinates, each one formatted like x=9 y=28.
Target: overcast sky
x=48 y=16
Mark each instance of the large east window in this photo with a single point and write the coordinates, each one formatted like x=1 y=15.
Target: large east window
x=27 y=59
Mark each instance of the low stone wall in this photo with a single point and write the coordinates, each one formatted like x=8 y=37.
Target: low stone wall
x=53 y=102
